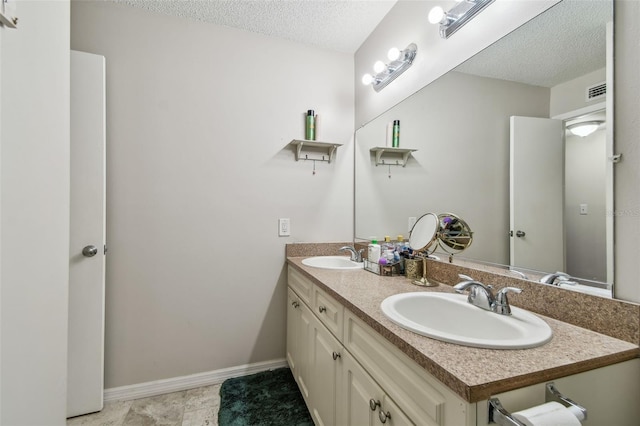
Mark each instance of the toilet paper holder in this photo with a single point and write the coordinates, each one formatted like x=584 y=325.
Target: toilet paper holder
x=498 y=415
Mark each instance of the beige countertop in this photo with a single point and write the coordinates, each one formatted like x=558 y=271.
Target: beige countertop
x=474 y=374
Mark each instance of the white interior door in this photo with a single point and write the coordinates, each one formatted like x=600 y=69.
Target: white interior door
x=537 y=193
x=87 y=239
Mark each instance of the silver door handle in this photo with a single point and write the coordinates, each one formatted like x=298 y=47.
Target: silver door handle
x=90 y=251
x=520 y=234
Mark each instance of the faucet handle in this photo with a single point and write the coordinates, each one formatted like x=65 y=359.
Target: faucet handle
x=502 y=302
x=465 y=277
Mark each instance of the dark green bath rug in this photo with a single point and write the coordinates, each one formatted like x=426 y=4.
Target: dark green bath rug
x=266 y=398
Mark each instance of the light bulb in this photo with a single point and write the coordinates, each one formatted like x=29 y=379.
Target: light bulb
x=379 y=66
x=583 y=130
x=367 y=79
x=393 y=54
x=436 y=15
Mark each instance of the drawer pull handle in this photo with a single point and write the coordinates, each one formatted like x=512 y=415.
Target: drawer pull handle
x=322 y=309
x=336 y=355
x=295 y=304
x=373 y=404
x=384 y=416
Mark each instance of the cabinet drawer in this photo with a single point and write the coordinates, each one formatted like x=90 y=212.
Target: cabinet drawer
x=301 y=285
x=424 y=399
x=329 y=311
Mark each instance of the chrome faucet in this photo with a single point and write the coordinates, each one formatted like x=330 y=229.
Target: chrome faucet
x=551 y=278
x=356 y=255
x=518 y=273
x=480 y=295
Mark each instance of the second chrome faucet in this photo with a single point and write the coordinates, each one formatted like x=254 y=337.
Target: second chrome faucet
x=481 y=295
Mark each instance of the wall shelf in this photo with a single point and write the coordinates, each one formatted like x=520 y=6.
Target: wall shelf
x=301 y=145
x=380 y=151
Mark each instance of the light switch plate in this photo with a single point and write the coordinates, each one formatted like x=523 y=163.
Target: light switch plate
x=284 y=227
x=584 y=209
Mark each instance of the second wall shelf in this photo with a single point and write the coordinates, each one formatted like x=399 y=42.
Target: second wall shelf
x=380 y=151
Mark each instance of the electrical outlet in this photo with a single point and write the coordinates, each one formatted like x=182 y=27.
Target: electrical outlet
x=412 y=221
x=284 y=227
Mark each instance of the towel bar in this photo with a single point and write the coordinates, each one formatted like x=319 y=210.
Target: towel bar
x=498 y=415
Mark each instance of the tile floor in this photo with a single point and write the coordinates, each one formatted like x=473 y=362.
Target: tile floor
x=194 y=407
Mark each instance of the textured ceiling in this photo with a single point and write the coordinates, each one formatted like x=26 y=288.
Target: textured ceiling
x=563 y=43
x=339 y=25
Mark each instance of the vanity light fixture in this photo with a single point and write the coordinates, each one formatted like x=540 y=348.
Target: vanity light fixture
x=457 y=16
x=401 y=60
x=585 y=128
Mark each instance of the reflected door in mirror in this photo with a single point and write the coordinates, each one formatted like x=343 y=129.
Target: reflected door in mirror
x=536 y=193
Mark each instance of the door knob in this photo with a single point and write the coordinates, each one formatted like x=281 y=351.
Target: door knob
x=520 y=234
x=90 y=251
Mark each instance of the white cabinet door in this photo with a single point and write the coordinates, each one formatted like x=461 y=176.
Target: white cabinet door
x=358 y=394
x=293 y=325
x=304 y=358
x=324 y=372
x=362 y=402
x=298 y=334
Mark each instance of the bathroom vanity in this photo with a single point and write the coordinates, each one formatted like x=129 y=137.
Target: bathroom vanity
x=355 y=367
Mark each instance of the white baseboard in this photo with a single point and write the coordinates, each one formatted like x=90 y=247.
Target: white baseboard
x=175 y=384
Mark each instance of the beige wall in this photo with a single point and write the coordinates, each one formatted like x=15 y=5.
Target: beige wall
x=627 y=131
x=198 y=172
x=34 y=214
x=570 y=96
x=585 y=183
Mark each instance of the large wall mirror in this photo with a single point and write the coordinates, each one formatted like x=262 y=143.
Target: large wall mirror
x=493 y=145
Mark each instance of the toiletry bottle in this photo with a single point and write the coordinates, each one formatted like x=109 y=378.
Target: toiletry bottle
x=310 y=127
x=373 y=254
x=396 y=134
x=387 y=245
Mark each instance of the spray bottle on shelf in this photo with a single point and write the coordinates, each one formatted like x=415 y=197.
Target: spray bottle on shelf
x=310 y=126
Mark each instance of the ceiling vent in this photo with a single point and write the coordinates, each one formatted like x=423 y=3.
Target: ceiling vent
x=597 y=91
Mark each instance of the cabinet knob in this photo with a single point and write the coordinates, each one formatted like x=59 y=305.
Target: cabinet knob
x=336 y=355
x=373 y=404
x=322 y=309
x=384 y=416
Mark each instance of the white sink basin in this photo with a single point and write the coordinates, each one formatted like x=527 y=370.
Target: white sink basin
x=332 y=262
x=450 y=318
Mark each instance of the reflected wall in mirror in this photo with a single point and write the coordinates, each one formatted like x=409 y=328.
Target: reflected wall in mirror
x=459 y=126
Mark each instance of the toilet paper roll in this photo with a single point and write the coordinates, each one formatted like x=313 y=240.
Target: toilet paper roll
x=549 y=414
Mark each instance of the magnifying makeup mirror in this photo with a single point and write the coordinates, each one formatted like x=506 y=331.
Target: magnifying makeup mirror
x=423 y=235
x=424 y=232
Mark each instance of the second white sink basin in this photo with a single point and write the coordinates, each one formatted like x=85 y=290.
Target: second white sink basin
x=450 y=318
x=332 y=262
